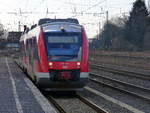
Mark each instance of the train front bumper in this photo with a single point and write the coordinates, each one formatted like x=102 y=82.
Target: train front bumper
x=44 y=81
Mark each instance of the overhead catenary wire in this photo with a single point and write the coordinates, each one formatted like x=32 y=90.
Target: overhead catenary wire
x=71 y=3
x=95 y=5
x=91 y=7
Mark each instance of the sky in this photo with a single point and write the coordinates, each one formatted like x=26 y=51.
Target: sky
x=91 y=13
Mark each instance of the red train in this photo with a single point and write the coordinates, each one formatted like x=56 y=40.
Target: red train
x=55 y=54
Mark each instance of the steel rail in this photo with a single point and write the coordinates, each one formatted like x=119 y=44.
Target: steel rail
x=122 y=72
x=122 y=56
x=82 y=99
x=120 y=89
x=58 y=107
x=91 y=104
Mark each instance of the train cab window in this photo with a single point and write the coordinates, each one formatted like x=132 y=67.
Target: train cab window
x=63 y=46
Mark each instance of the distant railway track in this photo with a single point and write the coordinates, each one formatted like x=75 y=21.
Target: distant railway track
x=121 y=56
x=125 y=87
x=89 y=103
x=120 y=71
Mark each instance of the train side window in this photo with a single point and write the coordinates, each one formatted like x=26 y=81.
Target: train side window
x=25 y=48
x=28 y=47
x=36 y=56
x=22 y=49
x=27 y=44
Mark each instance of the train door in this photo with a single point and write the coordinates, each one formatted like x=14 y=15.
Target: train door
x=31 y=54
x=35 y=55
x=27 y=53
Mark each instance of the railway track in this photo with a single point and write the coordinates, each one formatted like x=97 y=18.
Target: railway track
x=121 y=72
x=62 y=107
x=121 y=56
x=91 y=104
x=59 y=108
x=129 y=88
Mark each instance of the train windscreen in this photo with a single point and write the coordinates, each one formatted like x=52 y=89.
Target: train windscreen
x=63 y=46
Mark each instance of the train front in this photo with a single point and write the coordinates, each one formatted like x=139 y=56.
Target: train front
x=66 y=48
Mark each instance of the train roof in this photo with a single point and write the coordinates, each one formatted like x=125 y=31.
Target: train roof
x=48 y=20
x=46 y=23
x=57 y=26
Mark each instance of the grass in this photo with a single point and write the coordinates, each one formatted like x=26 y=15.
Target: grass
x=129 y=59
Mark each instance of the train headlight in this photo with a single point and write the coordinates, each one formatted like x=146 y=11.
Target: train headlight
x=61 y=28
x=78 y=63
x=50 y=63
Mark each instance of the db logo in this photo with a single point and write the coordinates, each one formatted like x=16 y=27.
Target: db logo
x=64 y=67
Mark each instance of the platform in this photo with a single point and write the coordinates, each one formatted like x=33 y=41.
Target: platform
x=17 y=92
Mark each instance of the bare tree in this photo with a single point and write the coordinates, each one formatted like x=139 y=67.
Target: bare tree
x=1 y=32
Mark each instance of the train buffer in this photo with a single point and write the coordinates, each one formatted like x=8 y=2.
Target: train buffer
x=17 y=92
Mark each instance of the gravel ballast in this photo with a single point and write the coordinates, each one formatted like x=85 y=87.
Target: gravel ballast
x=124 y=97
